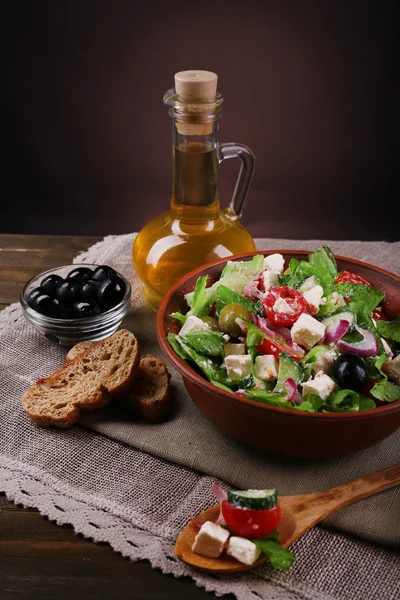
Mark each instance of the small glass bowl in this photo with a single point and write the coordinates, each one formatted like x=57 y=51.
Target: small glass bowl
x=68 y=332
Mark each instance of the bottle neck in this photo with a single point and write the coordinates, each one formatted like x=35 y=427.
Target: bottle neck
x=195 y=171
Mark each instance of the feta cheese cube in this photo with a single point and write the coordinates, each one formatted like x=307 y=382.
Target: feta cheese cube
x=243 y=550
x=322 y=385
x=231 y=349
x=266 y=367
x=392 y=369
x=314 y=297
x=307 y=331
x=274 y=262
x=337 y=300
x=270 y=279
x=238 y=367
x=325 y=362
x=281 y=306
x=308 y=283
x=210 y=540
x=193 y=323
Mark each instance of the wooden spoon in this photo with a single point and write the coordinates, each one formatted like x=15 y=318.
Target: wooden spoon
x=298 y=515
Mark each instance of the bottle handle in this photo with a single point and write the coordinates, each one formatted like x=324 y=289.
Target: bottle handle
x=232 y=150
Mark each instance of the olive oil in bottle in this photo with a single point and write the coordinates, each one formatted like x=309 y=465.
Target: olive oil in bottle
x=195 y=231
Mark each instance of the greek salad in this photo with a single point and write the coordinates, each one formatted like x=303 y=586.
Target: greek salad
x=302 y=336
x=246 y=528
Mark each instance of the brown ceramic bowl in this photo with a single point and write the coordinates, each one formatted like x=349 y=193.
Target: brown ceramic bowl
x=292 y=433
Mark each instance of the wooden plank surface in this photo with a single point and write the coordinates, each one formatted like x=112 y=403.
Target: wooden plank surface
x=39 y=559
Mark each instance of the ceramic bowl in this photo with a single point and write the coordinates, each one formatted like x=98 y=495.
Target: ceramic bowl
x=68 y=332
x=277 y=430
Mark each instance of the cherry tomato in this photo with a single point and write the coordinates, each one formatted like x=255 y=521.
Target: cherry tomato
x=250 y=523
x=378 y=314
x=278 y=345
x=351 y=278
x=296 y=302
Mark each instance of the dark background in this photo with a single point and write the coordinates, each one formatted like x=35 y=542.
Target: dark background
x=308 y=86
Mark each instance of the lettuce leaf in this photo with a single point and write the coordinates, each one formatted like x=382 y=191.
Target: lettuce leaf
x=209 y=366
x=386 y=391
x=324 y=258
x=279 y=557
x=172 y=338
x=249 y=269
x=210 y=343
x=227 y=296
x=389 y=329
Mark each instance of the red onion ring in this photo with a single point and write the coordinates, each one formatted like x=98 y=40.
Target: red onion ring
x=220 y=495
x=252 y=292
x=194 y=520
x=273 y=330
x=336 y=331
x=367 y=347
x=291 y=388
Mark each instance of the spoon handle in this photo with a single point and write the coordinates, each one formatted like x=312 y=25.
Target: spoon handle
x=350 y=492
x=312 y=508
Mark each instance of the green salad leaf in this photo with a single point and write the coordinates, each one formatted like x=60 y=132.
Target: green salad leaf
x=386 y=391
x=324 y=258
x=250 y=268
x=279 y=557
x=172 y=338
x=227 y=296
x=210 y=343
x=389 y=329
x=209 y=366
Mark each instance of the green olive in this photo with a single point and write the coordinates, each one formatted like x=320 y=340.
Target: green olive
x=213 y=323
x=227 y=317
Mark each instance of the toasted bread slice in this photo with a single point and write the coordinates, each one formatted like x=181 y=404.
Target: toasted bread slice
x=149 y=394
x=106 y=369
x=78 y=349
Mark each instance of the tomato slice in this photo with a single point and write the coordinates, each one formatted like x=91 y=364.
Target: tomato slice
x=278 y=345
x=378 y=314
x=351 y=278
x=295 y=302
x=251 y=523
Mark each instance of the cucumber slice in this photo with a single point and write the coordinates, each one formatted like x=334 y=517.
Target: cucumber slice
x=254 y=499
x=288 y=368
x=344 y=315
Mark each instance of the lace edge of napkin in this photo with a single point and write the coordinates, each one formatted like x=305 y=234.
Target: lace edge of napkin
x=134 y=543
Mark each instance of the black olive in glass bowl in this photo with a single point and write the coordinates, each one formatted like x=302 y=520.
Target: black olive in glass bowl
x=89 y=290
x=33 y=295
x=48 y=305
x=50 y=283
x=110 y=292
x=350 y=372
x=69 y=292
x=80 y=274
x=103 y=272
x=85 y=308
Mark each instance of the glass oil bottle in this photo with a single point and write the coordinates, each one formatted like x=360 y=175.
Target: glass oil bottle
x=195 y=231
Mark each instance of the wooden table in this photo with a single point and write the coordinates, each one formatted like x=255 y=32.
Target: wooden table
x=39 y=559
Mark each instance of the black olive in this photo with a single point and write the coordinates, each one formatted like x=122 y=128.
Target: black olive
x=110 y=292
x=103 y=272
x=69 y=292
x=89 y=290
x=33 y=295
x=85 y=308
x=350 y=372
x=50 y=283
x=80 y=274
x=48 y=306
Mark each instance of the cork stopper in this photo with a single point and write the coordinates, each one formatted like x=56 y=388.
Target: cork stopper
x=201 y=85
x=197 y=86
